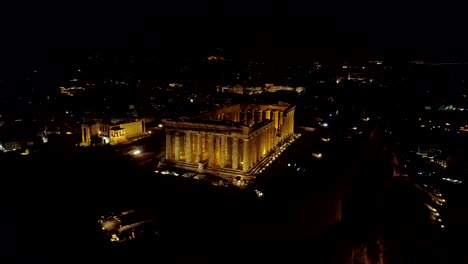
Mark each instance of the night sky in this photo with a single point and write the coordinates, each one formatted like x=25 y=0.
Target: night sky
x=292 y=29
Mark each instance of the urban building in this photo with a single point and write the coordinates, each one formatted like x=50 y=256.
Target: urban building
x=111 y=133
x=269 y=87
x=232 y=142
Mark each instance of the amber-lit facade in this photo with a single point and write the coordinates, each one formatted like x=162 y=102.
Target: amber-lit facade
x=111 y=133
x=230 y=141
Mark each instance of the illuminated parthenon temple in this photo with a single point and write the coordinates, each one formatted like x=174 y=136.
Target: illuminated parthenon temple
x=232 y=141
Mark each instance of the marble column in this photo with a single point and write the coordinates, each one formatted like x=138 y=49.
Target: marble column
x=218 y=150
x=252 y=117
x=259 y=146
x=88 y=134
x=268 y=135
x=291 y=129
x=199 y=148
x=235 y=153
x=275 y=119
x=246 y=156
x=263 y=141
x=222 y=158
x=246 y=120
x=283 y=132
x=168 y=147
x=260 y=115
x=177 y=148
x=280 y=118
x=188 y=147
x=211 y=156
x=253 y=149
x=273 y=136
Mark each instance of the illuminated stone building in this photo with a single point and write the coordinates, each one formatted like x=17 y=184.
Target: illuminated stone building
x=112 y=133
x=230 y=142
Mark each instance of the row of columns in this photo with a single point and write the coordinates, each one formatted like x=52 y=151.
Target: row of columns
x=253 y=116
x=85 y=134
x=250 y=117
x=234 y=116
x=287 y=128
x=220 y=150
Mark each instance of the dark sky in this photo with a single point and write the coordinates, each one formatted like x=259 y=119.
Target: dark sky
x=287 y=28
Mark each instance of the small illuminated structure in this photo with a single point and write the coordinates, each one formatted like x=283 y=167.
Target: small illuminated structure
x=123 y=226
x=111 y=133
x=232 y=142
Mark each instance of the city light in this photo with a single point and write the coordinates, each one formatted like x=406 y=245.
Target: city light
x=452 y=180
x=431 y=208
x=259 y=193
x=317 y=155
x=136 y=152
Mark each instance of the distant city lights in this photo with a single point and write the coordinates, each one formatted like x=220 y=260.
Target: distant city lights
x=452 y=180
x=259 y=193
